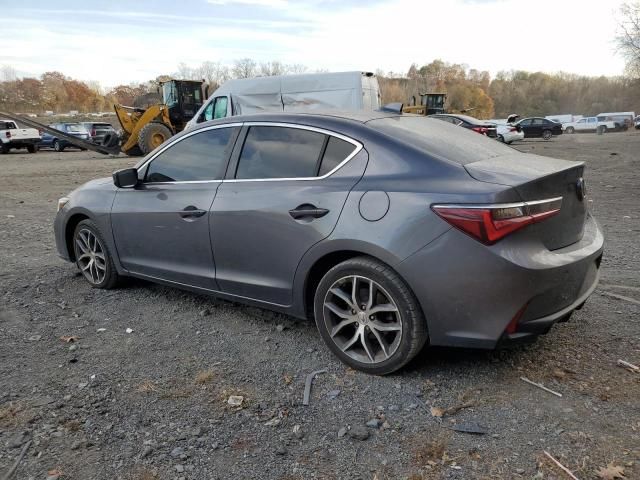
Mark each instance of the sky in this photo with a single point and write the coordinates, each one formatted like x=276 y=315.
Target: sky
x=117 y=42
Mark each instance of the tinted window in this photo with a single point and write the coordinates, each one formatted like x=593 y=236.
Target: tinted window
x=280 y=152
x=202 y=156
x=526 y=123
x=537 y=121
x=337 y=150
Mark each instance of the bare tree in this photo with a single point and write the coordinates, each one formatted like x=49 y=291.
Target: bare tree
x=628 y=39
x=269 y=69
x=8 y=73
x=214 y=73
x=244 y=68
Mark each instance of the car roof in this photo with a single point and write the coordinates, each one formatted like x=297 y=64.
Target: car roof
x=466 y=118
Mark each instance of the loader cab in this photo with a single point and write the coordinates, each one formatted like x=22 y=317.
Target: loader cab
x=434 y=102
x=183 y=99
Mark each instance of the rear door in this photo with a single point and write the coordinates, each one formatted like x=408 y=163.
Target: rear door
x=285 y=190
x=161 y=228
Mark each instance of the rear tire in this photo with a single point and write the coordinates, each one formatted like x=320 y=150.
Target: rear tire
x=383 y=336
x=501 y=139
x=547 y=134
x=4 y=149
x=32 y=148
x=93 y=257
x=152 y=135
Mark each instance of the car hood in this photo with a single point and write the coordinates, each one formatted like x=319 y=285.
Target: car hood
x=105 y=183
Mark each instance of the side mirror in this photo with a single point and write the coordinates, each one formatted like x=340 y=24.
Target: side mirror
x=127 y=178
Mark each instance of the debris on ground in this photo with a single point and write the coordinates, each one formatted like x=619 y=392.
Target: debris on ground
x=307 y=385
x=559 y=465
x=129 y=330
x=69 y=338
x=611 y=472
x=469 y=427
x=235 y=400
x=629 y=366
x=539 y=385
x=359 y=432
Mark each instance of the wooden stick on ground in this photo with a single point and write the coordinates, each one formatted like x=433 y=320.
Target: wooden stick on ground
x=539 y=385
x=564 y=469
x=13 y=469
x=629 y=366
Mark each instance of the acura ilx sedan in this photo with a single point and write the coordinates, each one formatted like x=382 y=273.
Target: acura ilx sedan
x=390 y=231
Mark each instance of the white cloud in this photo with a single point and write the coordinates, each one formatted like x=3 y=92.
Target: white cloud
x=572 y=35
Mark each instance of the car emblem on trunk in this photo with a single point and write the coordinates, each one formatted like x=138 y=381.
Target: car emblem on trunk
x=581 y=188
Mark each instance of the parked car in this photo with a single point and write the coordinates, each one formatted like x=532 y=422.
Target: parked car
x=388 y=229
x=11 y=136
x=59 y=143
x=98 y=130
x=637 y=122
x=538 y=127
x=465 y=121
x=590 y=124
x=509 y=131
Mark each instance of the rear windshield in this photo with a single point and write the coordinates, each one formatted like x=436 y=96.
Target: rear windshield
x=75 y=127
x=441 y=139
x=102 y=125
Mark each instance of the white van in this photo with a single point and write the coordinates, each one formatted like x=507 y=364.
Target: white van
x=316 y=91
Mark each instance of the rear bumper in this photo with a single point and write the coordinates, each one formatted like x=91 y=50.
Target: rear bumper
x=22 y=142
x=470 y=293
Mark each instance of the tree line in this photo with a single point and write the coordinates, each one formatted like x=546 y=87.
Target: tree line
x=471 y=90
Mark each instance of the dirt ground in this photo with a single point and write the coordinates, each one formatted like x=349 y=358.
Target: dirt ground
x=152 y=404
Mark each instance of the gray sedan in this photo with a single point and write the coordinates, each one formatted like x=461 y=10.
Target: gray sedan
x=390 y=231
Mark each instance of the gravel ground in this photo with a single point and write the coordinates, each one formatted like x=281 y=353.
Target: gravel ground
x=152 y=403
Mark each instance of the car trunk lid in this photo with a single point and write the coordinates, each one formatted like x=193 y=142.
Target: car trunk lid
x=535 y=177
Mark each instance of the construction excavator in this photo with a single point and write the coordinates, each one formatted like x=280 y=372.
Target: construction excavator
x=143 y=129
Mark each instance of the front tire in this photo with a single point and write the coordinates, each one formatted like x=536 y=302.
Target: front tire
x=93 y=257
x=501 y=139
x=547 y=134
x=570 y=130
x=57 y=146
x=152 y=135
x=368 y=316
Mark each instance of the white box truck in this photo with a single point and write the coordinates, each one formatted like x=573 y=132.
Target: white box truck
x=315 y=91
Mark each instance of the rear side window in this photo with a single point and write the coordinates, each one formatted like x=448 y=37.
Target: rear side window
x=336 y=152
x=202 y=156
x=280 y=152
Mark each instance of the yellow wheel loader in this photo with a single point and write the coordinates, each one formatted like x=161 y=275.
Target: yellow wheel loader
x=430 y=103
x=144 y=129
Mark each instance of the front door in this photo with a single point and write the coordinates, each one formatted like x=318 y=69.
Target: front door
x=286 y=193
x=161 y=227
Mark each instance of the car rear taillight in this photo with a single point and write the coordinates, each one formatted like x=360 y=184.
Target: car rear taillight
x=93 y=132
x=490 y=223
x=513 y=129
x=480 y=130
x=8 y=134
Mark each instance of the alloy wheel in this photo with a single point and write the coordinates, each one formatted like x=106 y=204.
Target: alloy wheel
x=362 y=319
x=90 y=255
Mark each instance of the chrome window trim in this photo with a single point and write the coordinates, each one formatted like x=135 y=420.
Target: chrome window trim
x=480 y=206
x=177 y=140
x=323 y=131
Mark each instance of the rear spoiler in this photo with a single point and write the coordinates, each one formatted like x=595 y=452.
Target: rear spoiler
x=70 y=138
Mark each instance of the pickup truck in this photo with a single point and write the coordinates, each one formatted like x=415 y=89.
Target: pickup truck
x=13 y=137
x=589 y=124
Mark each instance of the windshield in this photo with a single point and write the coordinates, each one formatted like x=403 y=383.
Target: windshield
x=430 y=135
x=76 y=128
x=169 y=94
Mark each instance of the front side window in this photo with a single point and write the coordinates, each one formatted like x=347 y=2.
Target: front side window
x=592 y=120
x=280 y=152
x=202 y=156
x=526 y=122
x=220 y=109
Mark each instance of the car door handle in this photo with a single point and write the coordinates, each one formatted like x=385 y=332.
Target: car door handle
x=191 y=212
x=307 y=210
